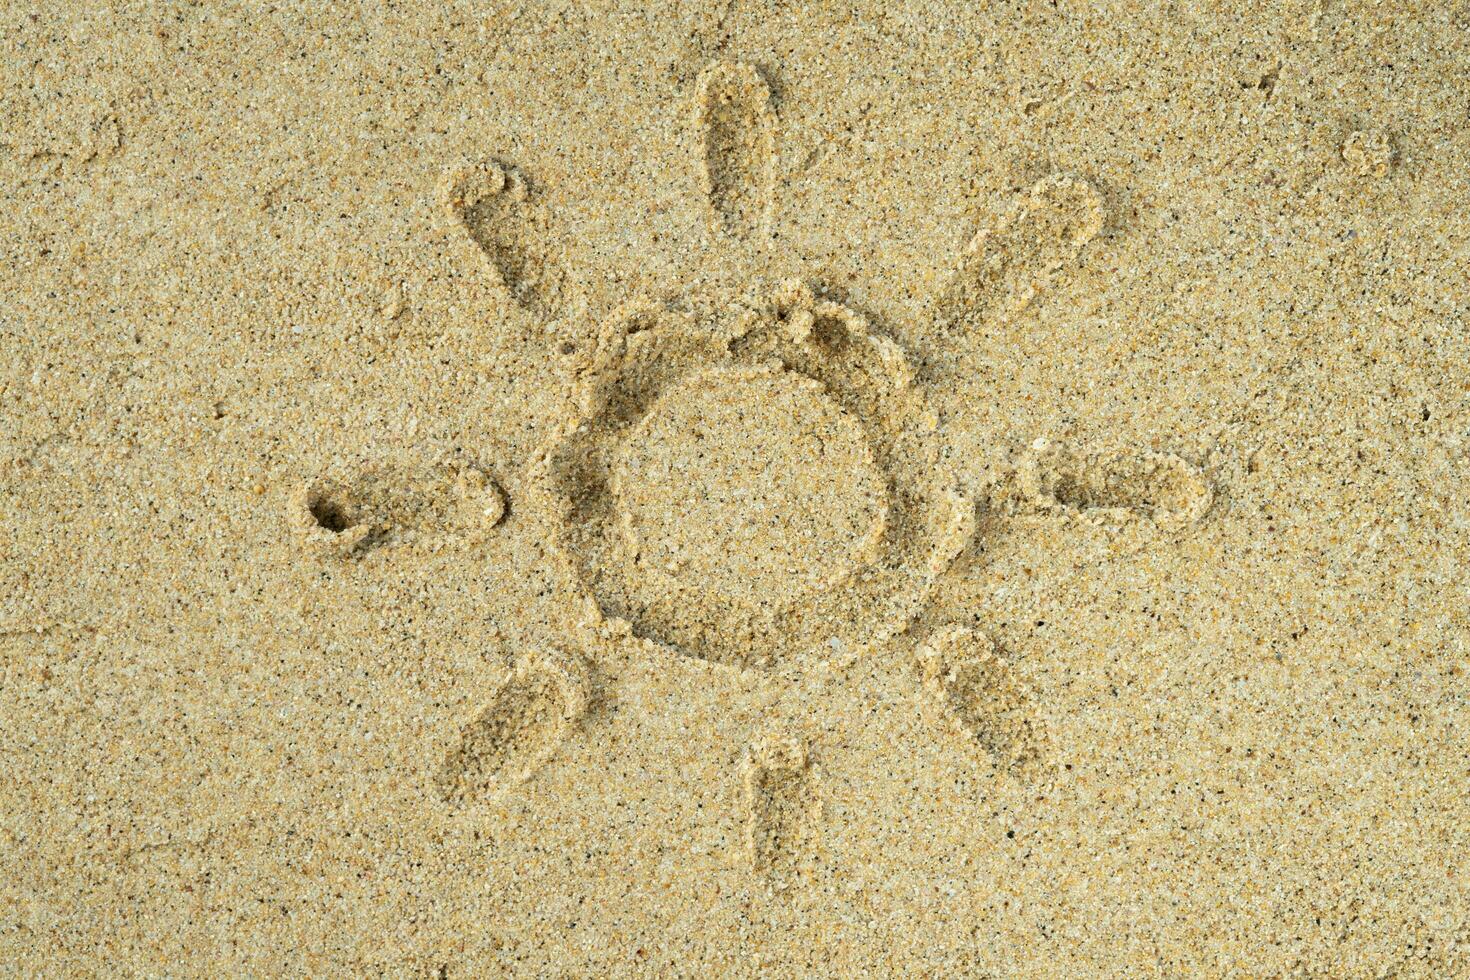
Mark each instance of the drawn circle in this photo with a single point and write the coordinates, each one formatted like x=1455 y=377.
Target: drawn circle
x=747 y=480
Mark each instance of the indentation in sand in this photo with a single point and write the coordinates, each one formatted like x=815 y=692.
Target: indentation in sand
x=1117 y=487
x=1003 y=269
x=782 y=810
x=354 y=513
x=518 y=730
x=981 y=695
x=737 y=144
x=1096 y=504
x=497 y=207
x=744 y=480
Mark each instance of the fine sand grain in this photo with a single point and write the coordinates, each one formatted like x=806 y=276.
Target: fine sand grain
x=735 y=488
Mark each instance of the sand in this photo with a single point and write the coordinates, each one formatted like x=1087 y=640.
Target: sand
x=735 y=488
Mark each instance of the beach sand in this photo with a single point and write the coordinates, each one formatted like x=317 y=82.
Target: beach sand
x=735 y=488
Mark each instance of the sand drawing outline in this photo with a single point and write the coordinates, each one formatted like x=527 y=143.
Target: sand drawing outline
x=665 y=491
x=351 y=513
x=648 y=352
x=736 y=145
x=1113 y=500
x=500 y=210
x=518 y=728
x=971 y=686
x=782 y=809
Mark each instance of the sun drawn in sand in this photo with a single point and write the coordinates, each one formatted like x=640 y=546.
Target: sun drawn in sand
x=756 y=477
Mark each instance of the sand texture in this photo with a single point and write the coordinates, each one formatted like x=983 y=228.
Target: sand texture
x=735 y=488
